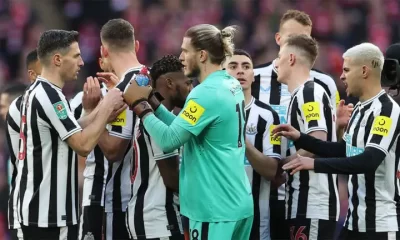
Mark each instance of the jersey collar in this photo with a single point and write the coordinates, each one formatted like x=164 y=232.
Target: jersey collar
x=363 y=104
x=302 y=85
x=248 y=106
x=40 y=78
x=130 y=70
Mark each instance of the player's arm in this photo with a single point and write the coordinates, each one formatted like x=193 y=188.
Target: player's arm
x=160 y=110
x=168 y=165
x=197 y=114
x=266 y=163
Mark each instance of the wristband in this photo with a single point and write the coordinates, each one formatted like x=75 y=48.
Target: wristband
x=141 y=107
x=155 y=99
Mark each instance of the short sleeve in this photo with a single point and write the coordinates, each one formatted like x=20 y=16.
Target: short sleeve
x=56 y=109
x=198 y=112
x=272 y=145
x=158 y=154
x=122 y=127
x=311 y=104
x=385 y=128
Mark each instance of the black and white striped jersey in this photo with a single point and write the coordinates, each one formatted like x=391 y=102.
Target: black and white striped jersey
x=96 y=165
x=48 y=171
x=260 y=121
x=152 y=212
x=118 y=186
x=267 y=89
x=310 y=194
x=13 y=121
x=374 y=199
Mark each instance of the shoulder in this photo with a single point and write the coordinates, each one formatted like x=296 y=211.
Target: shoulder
x=265 y=110
x=263 y=69
x=324 y=78
x=386 y=105
x=77 y=99
x=15 y=106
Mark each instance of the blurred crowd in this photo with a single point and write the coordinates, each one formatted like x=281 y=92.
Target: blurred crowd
x=160 y=25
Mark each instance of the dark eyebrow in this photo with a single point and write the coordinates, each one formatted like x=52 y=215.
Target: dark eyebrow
x=233 y=63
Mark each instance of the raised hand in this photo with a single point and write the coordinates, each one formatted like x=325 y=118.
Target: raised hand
x=91 y=94
x=299 y=163
x=343 y=113
x=287 y=131
x=109 y=78
x=135 y=93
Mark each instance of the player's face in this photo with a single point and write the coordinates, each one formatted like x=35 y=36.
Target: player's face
x=4 y=105
x=180 y=87
x=188 y=58
x=282 y=65
x=289 y=28
x=241 y=67
x=352 y=77
x=71 y=63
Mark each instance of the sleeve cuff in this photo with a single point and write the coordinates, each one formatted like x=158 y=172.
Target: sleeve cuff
x=314 y=129
x=72 y=132
x=164 y=156
x=376 y=146
x=119 y=135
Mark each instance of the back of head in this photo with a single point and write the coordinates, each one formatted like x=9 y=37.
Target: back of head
x=118 y=35
x=167 y=64
x=217 y=43
x=55 y=41
x=366 y=54
x=31 y=58
x=296 y=15
x=14 y=90
x=305 y=47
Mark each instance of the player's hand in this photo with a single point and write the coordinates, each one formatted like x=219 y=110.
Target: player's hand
x=343 y=113
x=299 y=163
x=279 y=179
x=116 y=112
x=91 y=94
x=135 y=94
x=110 y=79
x=287 y=131
x=113 y=101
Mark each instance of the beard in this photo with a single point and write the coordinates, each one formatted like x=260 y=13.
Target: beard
x=194 y=73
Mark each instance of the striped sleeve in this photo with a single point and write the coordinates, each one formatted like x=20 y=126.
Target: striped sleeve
x=271 y=145
x=385 y=128
x=311 y=108
x=13 y=120
x=57 y=110
x=158 y=154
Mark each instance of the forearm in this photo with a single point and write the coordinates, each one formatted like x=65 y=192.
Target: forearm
x=321 y=148
x=164 y=115
x=262 y=164
x=368 y=161
x=88 y=118
x=167 y=137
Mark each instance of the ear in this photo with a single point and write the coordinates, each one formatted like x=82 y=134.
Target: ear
x=203 y=56
x=103 y=51
x=278 y=38
x=292 y=59
x=57 y=59
x=365 y=71
x=31 y=74
x=169 y=82
x=137 y=45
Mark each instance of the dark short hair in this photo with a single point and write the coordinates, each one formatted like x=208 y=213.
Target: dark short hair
x=32 y=57
x=118 y=33
x=306 y=44
x=299 y=16
x=52 y=41
x=14 y=90
x=242 y=52
x=166 y=64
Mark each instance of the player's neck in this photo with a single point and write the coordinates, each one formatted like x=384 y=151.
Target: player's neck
x=370 y=92
x=123 y=62
x=207 y=69
x=53 y=77
x=247 y=96
x=297 y=78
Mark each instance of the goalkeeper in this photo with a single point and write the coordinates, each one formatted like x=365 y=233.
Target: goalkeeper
x=215 y=193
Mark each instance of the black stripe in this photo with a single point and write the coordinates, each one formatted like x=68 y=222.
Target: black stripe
x=256 y=187
x=117 y=194
x=54 y=164
x=173 y=224
x=54 y=97
x=204 y=230
x=386 y=111
x=78 y=111
x=276 y=148
x=255 y=87
x=322 y=84
x=76 y=194
x=276 y=89
x=127 y=79
x=397 y=182
x=13 y=177
x=12 y=123
x=37 y=164
x=68 y=197
x=98 y=177
x=308 y=96
x=144 y=172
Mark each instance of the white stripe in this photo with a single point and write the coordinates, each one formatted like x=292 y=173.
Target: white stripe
x=313 y=229
x=392 y=235
x=80 y=226
x=63 y=233
x=109 y=226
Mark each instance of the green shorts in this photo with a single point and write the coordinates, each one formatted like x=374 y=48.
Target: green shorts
x=239 y=230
